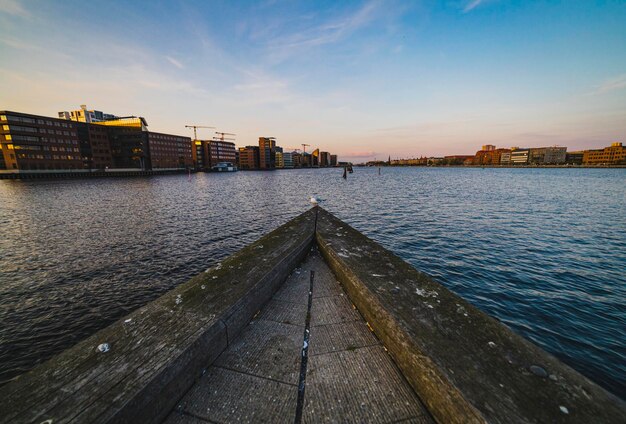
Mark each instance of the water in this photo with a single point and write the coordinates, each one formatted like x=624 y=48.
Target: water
x=543 y=250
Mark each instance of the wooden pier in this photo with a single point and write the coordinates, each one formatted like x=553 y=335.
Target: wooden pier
x=313 y=322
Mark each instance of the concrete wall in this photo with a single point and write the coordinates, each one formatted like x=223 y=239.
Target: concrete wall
x=158 y=351
x=466 y=366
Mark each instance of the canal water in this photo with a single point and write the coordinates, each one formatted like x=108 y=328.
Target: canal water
x=542 y=250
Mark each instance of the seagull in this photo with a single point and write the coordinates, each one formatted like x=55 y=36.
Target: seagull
x=314 y=200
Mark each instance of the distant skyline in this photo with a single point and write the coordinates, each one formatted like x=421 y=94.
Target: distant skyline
x=362 y=79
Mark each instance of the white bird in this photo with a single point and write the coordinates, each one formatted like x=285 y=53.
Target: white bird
x=314 y=200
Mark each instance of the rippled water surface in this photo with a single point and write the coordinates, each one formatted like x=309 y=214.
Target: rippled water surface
x=543 y=250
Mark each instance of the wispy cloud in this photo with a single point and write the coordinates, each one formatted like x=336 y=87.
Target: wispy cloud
x=471 y=5
x=14 y=7
x=613 y=84
x=175 y=62
x=328 y=32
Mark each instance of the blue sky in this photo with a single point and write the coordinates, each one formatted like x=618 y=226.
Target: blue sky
x=363 y=79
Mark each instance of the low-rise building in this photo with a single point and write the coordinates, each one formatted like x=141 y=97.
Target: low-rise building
x=519 y=156
x=612 y=155
x=489 y=155
x=574 y=158
x=547 y=155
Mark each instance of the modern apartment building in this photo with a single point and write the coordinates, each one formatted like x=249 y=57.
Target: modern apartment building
x=612 y=155
x=128 y=138
x=249 y=158
x=38 y=143
x=284 y=160
x=221 y=151
x=333 y=160
x=489 y=155
x=169 y=151
x=324 y=159
x=267 y=153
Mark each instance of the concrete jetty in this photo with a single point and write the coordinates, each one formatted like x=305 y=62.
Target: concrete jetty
x=314 y=322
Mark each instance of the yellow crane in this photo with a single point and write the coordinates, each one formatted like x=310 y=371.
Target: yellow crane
x=195 y=127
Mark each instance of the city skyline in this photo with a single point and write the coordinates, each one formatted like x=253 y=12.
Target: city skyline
x=433 y=79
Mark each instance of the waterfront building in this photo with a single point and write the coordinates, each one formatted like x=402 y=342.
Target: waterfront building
x=519 y=156
x=94 y=146
x=39 y=143
x=221 y=151
x=333 y=160
x=32 y=142
x=296 y=159
x=267 y=153
x=547 y=155
x=279 y=160
x=324 y=159
x=306 y=160
x=612 y=155
x=456 y=160
x=489 y=155
x=128 y=138
x=249 y=157
x=169 y=151
x=574 y=158
x=315 y=158
x=505 y=158
x=87 y=116
x=287 y=160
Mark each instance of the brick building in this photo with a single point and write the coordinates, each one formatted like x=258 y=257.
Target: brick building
x=612 y=155
x=249 y=158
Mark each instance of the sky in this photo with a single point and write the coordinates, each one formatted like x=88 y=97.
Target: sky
x=363 y=79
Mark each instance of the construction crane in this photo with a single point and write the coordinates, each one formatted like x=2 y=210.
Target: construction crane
x=195 y=127
x=222 y=138
x=304 y=146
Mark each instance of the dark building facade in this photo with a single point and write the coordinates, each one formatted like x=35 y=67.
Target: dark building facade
x=221 y=151
x=37 y=143
x=249 y=158
x=169 y=151
x=267 y=153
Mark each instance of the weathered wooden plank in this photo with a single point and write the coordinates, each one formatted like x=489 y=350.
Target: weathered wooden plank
x=464 y=365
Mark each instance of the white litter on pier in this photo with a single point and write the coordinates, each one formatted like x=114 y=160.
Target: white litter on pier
x=104 y=347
